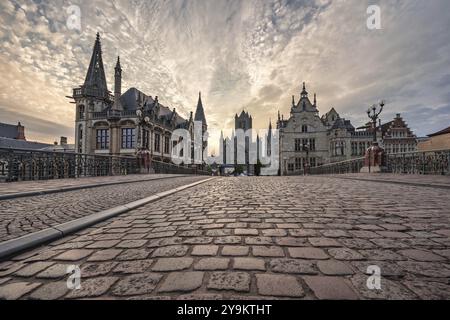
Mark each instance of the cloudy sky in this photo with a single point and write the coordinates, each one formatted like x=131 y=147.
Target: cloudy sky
x=251 y=54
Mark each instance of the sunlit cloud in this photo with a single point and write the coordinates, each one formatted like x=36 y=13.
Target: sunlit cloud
x=242 y=54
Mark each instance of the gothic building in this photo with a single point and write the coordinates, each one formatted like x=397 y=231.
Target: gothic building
x=233 y=146
x=109 y=124
x=308 y=139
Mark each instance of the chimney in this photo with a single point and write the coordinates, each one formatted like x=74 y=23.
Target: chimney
x=63 y=141
x=20 y=132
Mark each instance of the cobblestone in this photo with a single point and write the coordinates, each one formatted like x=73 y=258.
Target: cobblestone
x=315 y=239
x=31 y=214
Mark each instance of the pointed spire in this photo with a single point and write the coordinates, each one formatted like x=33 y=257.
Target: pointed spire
x=315 y=100
x=117 y=85
x=200 y=112
x=95 y=77
x=279 y=115
x=118 y=67
x=293 y=101
x=270 y=125
x=304 y=93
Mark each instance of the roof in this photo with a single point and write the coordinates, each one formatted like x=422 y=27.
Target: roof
x=200 y=112
x=95 y=76
x=341 y=123
x=444 y=131
x=8 y=130
x=21 y=144
x=129 y=103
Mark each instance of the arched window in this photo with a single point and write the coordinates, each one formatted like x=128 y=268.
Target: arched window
x=80 y=139
x=304 y=128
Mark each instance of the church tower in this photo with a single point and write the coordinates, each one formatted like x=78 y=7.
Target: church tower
x=200 y=117
x=93 y=96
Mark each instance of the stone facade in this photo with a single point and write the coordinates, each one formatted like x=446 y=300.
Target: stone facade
x=308 y=139
x=108 y=124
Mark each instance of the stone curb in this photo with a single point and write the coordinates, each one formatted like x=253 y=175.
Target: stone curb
x=86 y=186
x=414 y=184
x=15 y=246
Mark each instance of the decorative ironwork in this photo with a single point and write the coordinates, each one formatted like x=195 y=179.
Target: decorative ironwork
x=26 y=165
x=435 y=162
x=348 y=166
x=430 y=162
x=23 y=165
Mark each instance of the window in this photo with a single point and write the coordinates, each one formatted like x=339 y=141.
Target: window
x=304 y=128
x=312 y=162
x=128 y=138
x=290 y=167
x=166 y=145
x=80 y=139
x=157 y=142
x=312 y=144
x=102 y=139
x=298 y=163
x=81 y=112
x=146 y=139
x=298 y=145
x=354 y=148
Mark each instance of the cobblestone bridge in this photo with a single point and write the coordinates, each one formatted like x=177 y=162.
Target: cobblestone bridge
x=239 y=238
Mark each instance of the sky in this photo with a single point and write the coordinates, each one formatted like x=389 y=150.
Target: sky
x=241 y=54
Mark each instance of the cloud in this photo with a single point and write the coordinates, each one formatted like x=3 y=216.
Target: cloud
x=248 y=54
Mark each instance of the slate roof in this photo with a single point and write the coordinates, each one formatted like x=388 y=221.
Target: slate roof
x=21 y=144
x=444 y=131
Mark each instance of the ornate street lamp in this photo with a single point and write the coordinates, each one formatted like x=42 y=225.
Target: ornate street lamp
x=374 y=158
x=374 y=113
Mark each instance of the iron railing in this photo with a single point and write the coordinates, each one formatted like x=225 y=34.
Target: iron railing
x=429 y=162
x=341 y=167
x=435 y=162
x=170 y=168
x=27 y=165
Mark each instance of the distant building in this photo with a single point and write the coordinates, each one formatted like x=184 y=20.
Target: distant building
x=12 y=131
x=63 y=146
x=436 y=141
x=13 y=137
x=308 y=139
x=397 y=137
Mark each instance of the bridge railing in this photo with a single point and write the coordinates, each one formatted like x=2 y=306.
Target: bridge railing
x=170 y=168
x=435 y=162
x=341 y=167
x=27 y=165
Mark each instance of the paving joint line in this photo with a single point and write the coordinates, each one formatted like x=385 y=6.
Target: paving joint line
x=74 y=188
x=15 y=246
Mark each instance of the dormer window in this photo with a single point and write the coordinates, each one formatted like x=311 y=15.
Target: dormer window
x=304 y=128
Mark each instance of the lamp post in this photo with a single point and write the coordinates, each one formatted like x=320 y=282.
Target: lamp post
x=374 y=158
x=142 y=153
x=374 y=113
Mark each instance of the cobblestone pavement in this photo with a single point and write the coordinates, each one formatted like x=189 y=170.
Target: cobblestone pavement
x=21 y=216
x=254 y=238
x=42 y=185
